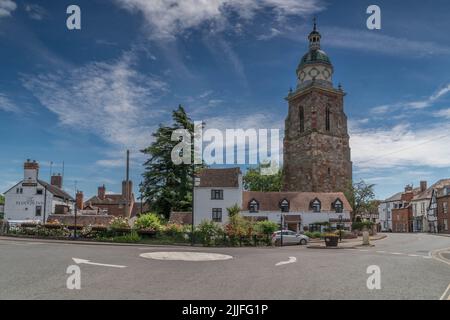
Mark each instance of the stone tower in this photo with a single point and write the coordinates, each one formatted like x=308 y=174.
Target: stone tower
x=316 y=141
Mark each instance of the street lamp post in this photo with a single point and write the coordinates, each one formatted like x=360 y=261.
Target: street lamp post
x=340 y=228
x=195 y=183
x=281 y=232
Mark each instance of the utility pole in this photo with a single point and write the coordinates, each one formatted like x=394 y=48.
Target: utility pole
x=127 y=186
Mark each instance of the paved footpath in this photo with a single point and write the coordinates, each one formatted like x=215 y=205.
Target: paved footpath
x=412 y=266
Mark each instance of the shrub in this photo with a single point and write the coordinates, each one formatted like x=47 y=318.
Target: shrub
x=132 y=237
x=173 y=229
x=208 y=231
x=234 y=210
x=149 y=221
x=313 y=235
x=266 y=227
x=360 y=225
x=119 y=223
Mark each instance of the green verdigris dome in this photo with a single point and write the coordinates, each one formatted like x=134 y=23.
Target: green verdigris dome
x=313 y=57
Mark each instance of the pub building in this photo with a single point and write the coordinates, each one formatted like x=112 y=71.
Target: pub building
x=34 y=199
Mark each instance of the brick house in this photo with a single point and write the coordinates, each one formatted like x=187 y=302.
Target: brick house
x=443 y=214
x=114 y=204
x=402 y=218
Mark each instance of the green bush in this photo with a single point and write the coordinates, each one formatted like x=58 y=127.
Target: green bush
x=360 y=225
x=313 y=235
x=132 y=237
x=266 y=227
x=208 y=231
x=149 y=221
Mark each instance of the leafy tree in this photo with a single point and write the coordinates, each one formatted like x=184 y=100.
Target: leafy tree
x=361 y=197
x=255 y=181
x=2 y=199
x=168 y=186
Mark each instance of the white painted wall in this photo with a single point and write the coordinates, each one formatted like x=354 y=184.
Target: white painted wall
x=22 y=206
x=306 y=217
x=203 y=204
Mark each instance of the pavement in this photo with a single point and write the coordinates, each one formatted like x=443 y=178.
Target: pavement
x=411 y=266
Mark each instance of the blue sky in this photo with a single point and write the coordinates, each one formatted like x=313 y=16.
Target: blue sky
x=85 y=96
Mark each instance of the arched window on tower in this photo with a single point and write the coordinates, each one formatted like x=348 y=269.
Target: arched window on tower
x=327 y=119
x=302 y=119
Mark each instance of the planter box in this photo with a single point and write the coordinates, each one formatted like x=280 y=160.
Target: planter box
x=99 y=228
x=29 y=225
x=72 y=227
x=331 y=241
x=146 y=233
x=52 y=226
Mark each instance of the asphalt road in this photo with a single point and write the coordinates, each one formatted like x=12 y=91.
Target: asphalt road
x=409 y=270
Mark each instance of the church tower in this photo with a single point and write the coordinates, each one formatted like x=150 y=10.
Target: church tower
x=316 y=140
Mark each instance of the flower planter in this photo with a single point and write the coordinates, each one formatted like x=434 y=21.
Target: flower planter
x=331 y=241
x=147 y=233
x=29 y=225
x=99 y=228
x=73 y=227
x=52 y=226
x=121 y=231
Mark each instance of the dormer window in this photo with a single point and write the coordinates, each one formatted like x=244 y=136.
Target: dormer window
x=253 y=206
x=284 y=205
x=338 y=206
x=316 y=205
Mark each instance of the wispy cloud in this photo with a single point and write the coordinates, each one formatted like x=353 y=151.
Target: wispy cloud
x=7 y=105
x=167 y=18
x=415 y=105
x=7 y=7
x=271 y=34
x=401 y=146
x=110 y=99
x=35 y=11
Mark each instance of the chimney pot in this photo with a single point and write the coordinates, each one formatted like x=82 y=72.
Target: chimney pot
x=423 y=186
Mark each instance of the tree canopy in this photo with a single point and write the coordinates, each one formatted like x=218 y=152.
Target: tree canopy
x=361 y=197
x=167 y=186
x=255 y=181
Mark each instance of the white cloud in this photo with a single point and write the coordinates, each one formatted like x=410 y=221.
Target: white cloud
x=167 y=18
x=7 y=105
x=6 y=7
x=418 y=104
x=401 y=146
x=272 y=34
x=35 y=11
x=444 y=113
x=111 y=100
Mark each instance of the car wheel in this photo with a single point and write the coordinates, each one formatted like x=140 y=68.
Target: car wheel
x=303 y=242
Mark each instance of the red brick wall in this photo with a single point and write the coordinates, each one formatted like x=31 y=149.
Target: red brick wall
x=443 y=214
x=401 y=220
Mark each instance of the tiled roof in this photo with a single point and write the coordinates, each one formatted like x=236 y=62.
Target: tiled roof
x=298 y=201
x=110 y=199
x=427 y=193
x=57 y=192
x=211 y=178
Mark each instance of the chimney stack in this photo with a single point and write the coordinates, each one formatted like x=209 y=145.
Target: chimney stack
x=31 y=171
x=101 y=192
x=423 y=186
x=56 y=180
x=127 y=192
x=79 y=200
x=408 y=188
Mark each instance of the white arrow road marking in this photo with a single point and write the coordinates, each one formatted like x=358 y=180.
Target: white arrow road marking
x=291 y=260
x=445 y=293
x=82 y=261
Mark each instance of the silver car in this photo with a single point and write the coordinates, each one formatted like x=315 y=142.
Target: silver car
x=289 y=237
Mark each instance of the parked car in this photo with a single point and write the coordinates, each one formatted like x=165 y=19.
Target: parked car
x=289 y=238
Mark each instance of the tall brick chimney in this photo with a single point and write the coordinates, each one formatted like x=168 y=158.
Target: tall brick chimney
x=56 y=180
x=423 y=186
x=101 y=192
x=31 y=171
x=128 y=190
x=79 y=200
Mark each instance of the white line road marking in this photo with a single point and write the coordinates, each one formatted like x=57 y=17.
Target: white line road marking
x=396 y=253
x=445 y=293
x=363 y=250
x=291 y=260
x=82 y=261
x=381 y=251
x=413 y=255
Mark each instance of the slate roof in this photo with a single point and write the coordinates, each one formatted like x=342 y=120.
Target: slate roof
x=427 y=193
x=57 y=192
